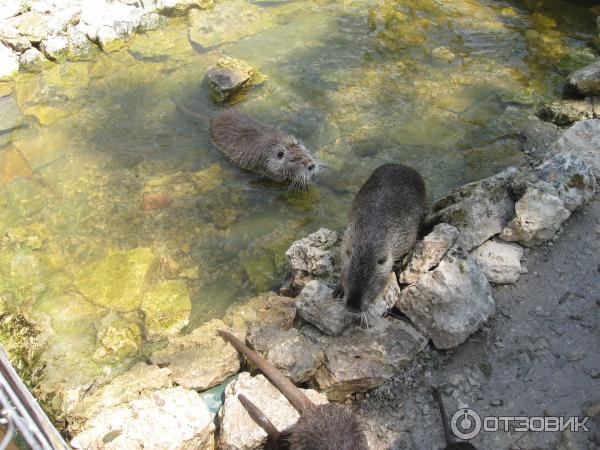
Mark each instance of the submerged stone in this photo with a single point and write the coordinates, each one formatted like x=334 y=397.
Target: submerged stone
x=116 y=339
x=13 y=165
x=586 y=81
x=565 y=112
x=117 y=282
x=166 y=308
x=46 y=115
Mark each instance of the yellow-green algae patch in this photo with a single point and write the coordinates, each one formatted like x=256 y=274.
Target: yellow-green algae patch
x=117 y=282
x=166 y=308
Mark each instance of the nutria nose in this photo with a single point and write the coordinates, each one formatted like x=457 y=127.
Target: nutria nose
x=311 y=167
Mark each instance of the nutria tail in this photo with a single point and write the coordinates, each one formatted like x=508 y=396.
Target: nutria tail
x=196 y=115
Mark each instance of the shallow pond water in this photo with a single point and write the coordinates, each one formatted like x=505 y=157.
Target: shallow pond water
x=442 y=86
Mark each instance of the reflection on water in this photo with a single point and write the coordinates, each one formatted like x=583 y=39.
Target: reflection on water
x=441 y=86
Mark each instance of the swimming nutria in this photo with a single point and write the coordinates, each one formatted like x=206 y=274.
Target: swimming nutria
x=383 y=226
x=259 y=148
x=451 y=442
x=320 y=427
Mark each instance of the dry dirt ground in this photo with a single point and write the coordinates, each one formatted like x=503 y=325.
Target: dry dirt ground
x=539 y=356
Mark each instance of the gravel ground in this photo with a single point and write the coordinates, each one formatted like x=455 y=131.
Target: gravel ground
x=539 y=356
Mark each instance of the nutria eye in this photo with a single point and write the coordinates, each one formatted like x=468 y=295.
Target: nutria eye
x=381 y=260
x=280 y=154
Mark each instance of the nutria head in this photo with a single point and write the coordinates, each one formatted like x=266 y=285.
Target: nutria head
x=290 y=161
x=366 y=266
x=328 y=427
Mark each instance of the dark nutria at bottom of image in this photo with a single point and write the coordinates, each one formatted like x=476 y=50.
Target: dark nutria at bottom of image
x=320 y=427
x=258 y=147
x=383 y=226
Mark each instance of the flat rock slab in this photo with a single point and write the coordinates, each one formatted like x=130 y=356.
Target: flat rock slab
x=315 y=257
x=238 y=430
x=134 y=383
x=363 y=358
x=586 y=81
x=582 y=139
x=201 y=359
x=429 y=252
x=451 y=302
x=499 y=261
x=290 y=351
x=266 y=308
x=173 y=418
x=479 y=210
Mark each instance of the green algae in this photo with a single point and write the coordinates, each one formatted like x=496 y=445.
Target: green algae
x=117 y=282
x=166 y=308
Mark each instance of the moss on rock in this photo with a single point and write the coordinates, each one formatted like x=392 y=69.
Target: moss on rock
x=167 y=308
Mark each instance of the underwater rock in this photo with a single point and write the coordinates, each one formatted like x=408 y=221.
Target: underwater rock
x=173 y=418
x=361 y=359
x=208 y=179
x=576 y=59
x=429 y=252
x=266 y=308
x=152 y=21
x=200 y=359
x=451 y=302
x=156 y=201
x=565 y=112
x=116 y=339
x=117 y=282
x=238 y=430
x=136 y=382
x=288 y=350
x=9 y=62
x=13 y=165
x=537 y=137
x=264 y=260
x=315 y=257
x=167 y=307
x=178 y=7
x=586 y=81
x=229 y=77
x=45 y=114
x=583 y=140
x=32 y=60
x=499 y=261
x=479 y=210
x=539 y=215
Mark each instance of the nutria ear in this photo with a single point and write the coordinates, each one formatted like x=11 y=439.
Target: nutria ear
x=260 y=419
x=295 y=396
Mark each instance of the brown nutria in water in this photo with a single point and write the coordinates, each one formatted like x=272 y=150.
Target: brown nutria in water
x=451 y=442
x=320 y=427
x=259 y=148
x=383 y=226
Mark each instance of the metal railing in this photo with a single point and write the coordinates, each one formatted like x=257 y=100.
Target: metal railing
x=21 y=415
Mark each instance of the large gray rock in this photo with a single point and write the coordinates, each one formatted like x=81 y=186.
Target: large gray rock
x=238 y=431
x=136 y=382
x=565 y=112
x=499 y=261
x=429 y=252
x=173 y=418
x=539 y=215
x=583 y=140
x=201 y=359
x=229 y=77
x=451 y=302
x=479 y=210
x=363 y=358
x=586 y=81
x=316 y=305
x=315 y=257
x=288 y=350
